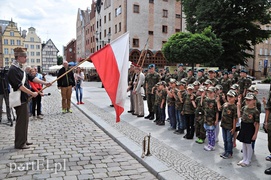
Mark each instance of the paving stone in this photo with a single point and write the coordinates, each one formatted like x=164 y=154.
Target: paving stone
x=70 y=177
x=41 y=176
x=84 y=177
x=72 y=173
x=100 y=175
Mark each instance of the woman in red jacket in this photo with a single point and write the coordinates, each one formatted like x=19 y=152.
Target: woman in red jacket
x=36 y=102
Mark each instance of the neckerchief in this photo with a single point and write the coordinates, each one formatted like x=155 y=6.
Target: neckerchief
x=17 y=64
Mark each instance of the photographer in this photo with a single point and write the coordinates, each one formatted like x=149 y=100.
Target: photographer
x=4 y=94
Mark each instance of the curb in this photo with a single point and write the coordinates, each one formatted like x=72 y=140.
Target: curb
x=151 y=163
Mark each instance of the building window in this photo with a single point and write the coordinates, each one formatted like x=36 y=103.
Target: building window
x=135 y=42
x=37 y=53
x=178 y=16
x=31 y=39
x=136 y=8
x=37 y=60
x=5 y=50
x=6 y=61
x=116 y=29
x=261 y=51
x=12 y=42
x=109 y=17
x=5 y=41
x=265 y=52
x=32 y=53
x=119 y=27
x=151 y=1
x=165 y=13
x=26 y=45
x=19 y=42
x=32 y=46
x=104 y=19
x=97 y=24
x=164 y=29
x=177 y=30
x=109 y=30
x=32 y=60
x=150 y=32
x=100 y=22
x=105 y=33
x=37 y=46
x=11 y=51
x=11 y=33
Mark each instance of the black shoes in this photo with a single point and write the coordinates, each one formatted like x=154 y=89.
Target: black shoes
x=147 y=117
x=140 y=115
x=130 y=111
x=268 y=171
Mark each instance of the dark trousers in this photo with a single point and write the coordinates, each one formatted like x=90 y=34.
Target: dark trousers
x=172 y=116
x=21 y=126
x=36 y=102
x=162 y=113
x=199 y=126
x=190 y=127
x=150 y=102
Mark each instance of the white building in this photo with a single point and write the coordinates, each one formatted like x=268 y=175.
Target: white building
x=33 y=44
x=49 y=55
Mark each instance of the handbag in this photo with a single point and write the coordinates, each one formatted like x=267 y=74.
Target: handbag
x=15 y=96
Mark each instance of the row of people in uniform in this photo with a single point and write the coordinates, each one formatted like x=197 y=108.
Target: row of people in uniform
x=196 y=109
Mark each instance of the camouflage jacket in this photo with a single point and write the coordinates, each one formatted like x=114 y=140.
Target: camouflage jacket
x=229 y=114
x=188 y=107
x=151 y=80
x=250 y=115
x=210 y=110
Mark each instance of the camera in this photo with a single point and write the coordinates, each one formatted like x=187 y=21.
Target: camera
x=4 y=71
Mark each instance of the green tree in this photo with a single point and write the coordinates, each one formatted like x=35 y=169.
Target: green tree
x=59 y=60
x=236 y=22
x=187 y=47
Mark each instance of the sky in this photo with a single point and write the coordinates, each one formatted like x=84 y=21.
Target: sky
x=52 y=19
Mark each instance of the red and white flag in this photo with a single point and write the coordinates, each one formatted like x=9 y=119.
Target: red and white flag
x=112 y=64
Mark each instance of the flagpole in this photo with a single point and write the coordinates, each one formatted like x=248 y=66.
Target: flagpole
x=81 y=62
x=143 y=51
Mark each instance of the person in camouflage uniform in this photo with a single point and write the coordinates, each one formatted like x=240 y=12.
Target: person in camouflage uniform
x=267 y=125
x=175 y=74
x=228 y=123
x=155 y=90
x=244 y=82
x=212 y=77
x=196 y=85
x=190 y=78
x=189 y=111
x=167 y=77
x=181 y=73
x=179 y=94
x=210 y=116
x=162 y=96
x=231 y=78
x=250 y=118
x=151 y=80
x=222 y=99
x=199 y=116
x=235 y=74
x=171 y=104
x=225 y=83
x=200 y=76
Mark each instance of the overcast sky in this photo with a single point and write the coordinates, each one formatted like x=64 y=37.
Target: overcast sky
x=52 y=19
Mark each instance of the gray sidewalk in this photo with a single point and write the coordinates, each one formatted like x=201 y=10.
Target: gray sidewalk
x=66 y=146
x=172 y=156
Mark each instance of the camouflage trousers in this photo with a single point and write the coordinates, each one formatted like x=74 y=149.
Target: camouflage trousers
x=150 y=102
x=269 y=136
x=200 y=130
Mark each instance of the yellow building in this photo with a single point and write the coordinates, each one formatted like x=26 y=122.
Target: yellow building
x=11 y=38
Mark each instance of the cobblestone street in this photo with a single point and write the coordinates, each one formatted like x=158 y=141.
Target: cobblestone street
x=68 y=146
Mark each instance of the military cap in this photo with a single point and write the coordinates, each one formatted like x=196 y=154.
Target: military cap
x=211 y=89
x=235 y=87
x=183 y=82
x=159 y=83
x=181 y=64
x=202 y=88
x=201 y=70
x=19 y=51
x=231 y=93
x=172 y=80
x=211 y=70
x=250 y=96
x=145 y=70
x=233 y=67
x=229 y=72
x=178 y=83
x=196 y=83
x=208 y=81
x=190 y=86
x=244 y=70
x=218 y=87
x=252 y=88
x=217 y=71
x=189 y=70
x=226 y=72
x=184 y=79
x=151 y=66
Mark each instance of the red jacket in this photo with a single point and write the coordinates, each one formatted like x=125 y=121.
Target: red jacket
x=35 y=86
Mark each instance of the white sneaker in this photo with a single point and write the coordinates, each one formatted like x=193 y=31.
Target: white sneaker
x=40 y=117
x=207 y=148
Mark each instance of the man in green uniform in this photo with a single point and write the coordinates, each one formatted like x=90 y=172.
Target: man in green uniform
x=267 y=124
x=181 y=73
x=212 y=77
x=200 y=76
x=151 y=80
x=190 y=78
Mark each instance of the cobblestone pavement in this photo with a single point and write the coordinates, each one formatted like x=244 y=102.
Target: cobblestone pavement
x=67 y=146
